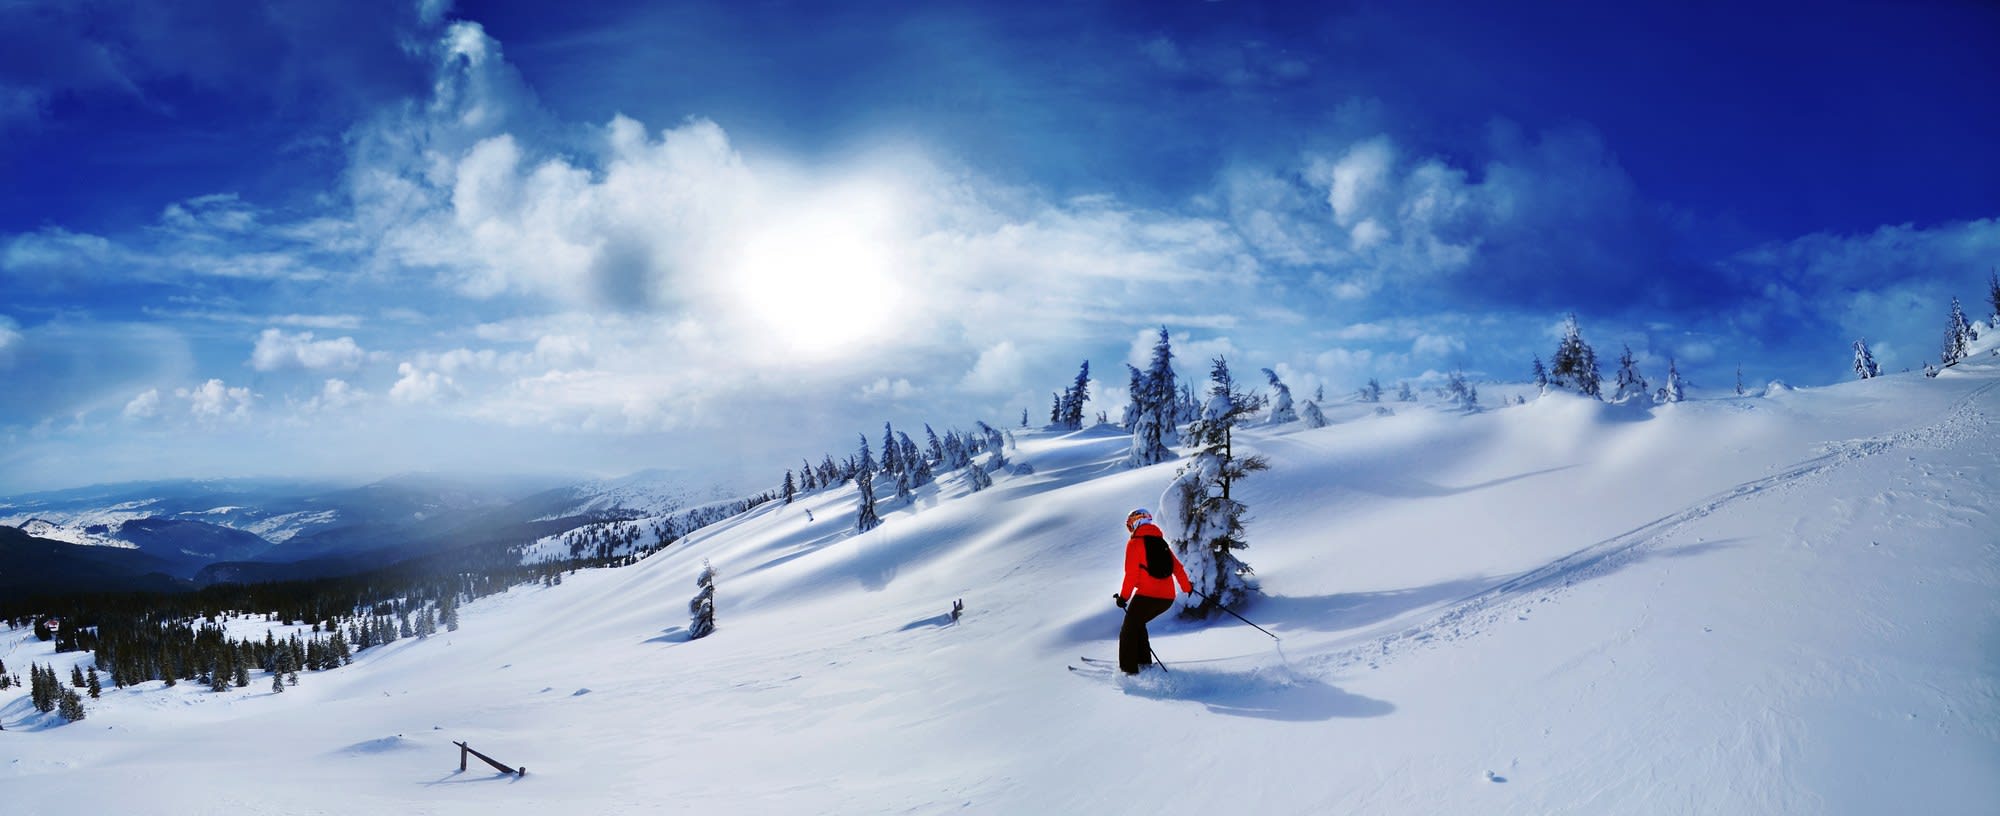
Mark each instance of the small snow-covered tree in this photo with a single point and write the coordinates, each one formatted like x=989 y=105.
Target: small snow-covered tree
x=977 y=478
x=1575 y=362
x=1630 y=382
x=1079 y=393
x=788 y=490
x=701 y=608
x=1993 y=298
x=96 y=688
x=1958 y=335
x=1312 y=415
x=1281 y=401
x=71 y=706
x=864 y=484
x=1541 y=374
x=1372 y=392
x=1675 y=390
x=1404 y=394
x=1864 y=363
x=1460 y=392
x=1199 y=500
x=1739 y=379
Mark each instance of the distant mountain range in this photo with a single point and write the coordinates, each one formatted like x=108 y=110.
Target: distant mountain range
x=199 y=532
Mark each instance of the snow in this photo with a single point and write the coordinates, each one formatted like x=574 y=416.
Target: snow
x=1780 y=603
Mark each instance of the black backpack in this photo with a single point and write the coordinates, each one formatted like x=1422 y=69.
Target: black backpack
x=1159 y=559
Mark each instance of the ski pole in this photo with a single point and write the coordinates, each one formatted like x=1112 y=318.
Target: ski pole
x=1156 y=658
x=1218 y=605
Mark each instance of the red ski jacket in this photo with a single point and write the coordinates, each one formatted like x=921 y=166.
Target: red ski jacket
x=1142 y=582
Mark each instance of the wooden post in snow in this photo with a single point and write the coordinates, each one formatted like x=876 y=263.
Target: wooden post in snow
x=464 y=749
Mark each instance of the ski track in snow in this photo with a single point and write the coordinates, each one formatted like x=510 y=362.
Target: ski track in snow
x=1473 y=614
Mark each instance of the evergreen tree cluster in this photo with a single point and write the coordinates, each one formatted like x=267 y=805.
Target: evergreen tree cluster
x=1575 y=362
x=1066 y=410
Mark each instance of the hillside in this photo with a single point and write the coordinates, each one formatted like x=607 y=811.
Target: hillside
x=1730 y=605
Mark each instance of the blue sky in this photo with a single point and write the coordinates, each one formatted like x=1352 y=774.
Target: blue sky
x=304 y=238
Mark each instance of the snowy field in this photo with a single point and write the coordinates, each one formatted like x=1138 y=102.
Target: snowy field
x=1781 y=603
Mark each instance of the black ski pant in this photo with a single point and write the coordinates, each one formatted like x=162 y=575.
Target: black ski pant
x=1135 y=649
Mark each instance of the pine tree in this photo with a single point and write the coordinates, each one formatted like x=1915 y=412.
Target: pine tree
x=1864 y=363
x=701 y=609
x=1541 y=374
x=1575 y=362
x=1739 y=379
x=1200 y=500
x=1155 y=392
x=1462 y=393
x=218 y=677
x=1993 y=298
x=1372 y=392
x=1404 y=394
x=1281 y=403
x=1072 y=402
x=76 y=675
x=1675 y=390
x=71 y=706
x=789 y=490
x=892 y=453
x=92 y=684
x=277 y=683
x=1958 y=335
x=806 y=476
x=864 y=483
x=866 y=460
x=1630 y=383
x=1314 y=417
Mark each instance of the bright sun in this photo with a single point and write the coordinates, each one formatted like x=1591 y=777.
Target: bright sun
x=822 y=281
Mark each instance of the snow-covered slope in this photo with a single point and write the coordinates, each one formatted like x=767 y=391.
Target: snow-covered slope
x=1772 y=604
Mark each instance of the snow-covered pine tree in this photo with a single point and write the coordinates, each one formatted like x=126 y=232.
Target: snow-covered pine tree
x=90 y=683
x=1056 y=411
x=1958 y=335
x=1313 y=416
x=1372 y=392
x=71 y=706
x=1864 y=363
x=806 y=480
x=1460 y=392
x=1134 y=390
x=865 y=519
x=1154 y=434
x=1575 y=362
x=1079 y=393
x=1675 y=389
x=1541 y=374
x=788 y=490
x=913 y=459
x=1404 y=394
x=1281 y=401
x=1739 y=379
x=1630 y=382
x=76 y=675
x=1199 y=499
x=977 y=478
x=1024 y=417
x=701 y=609
x=1993 y=298
x=892 y=453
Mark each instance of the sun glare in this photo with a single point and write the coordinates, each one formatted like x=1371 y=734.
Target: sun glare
x=821 y=282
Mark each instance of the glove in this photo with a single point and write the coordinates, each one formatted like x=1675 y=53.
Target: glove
x=1118 y=599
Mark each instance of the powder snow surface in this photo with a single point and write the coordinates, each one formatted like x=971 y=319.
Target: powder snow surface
x=1784 y=603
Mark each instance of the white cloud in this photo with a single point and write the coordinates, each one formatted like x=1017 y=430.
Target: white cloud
x=333 y=395
x=216 y=400
x=415 y=385
x=899 y=389
x=1435 y=345
x=144 y=406
x=10 y=340
x=1000 y=369
x=276 y=350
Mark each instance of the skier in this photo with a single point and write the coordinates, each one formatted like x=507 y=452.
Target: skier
x=1151 y=570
